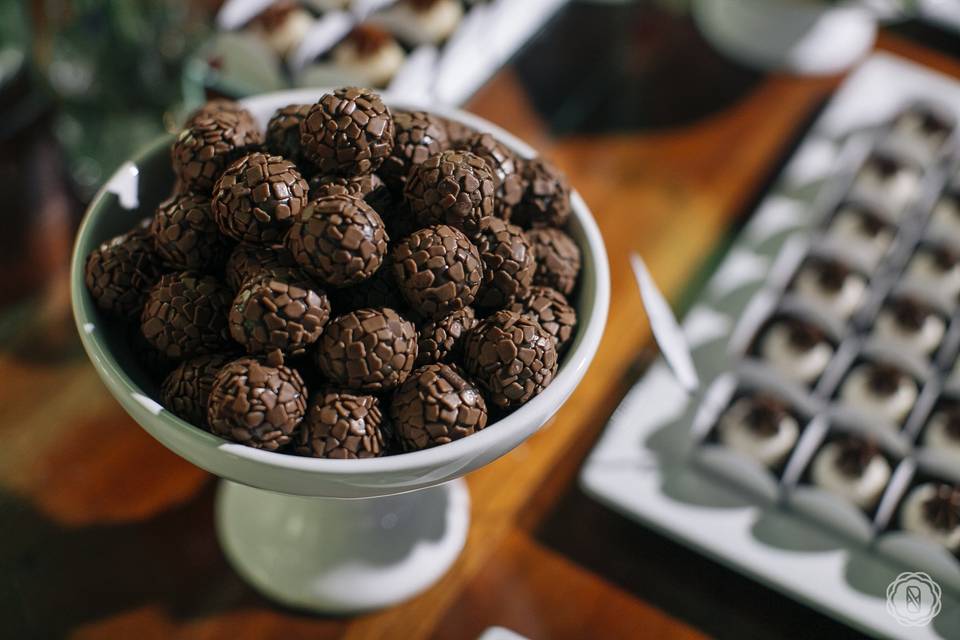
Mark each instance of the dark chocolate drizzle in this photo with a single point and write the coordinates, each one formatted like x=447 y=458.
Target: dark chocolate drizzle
x=910 y=313
x=884 y=379
x=943 y=509
x=803 y=335
x=855 y=453
x=831 y=274
x=765 y=414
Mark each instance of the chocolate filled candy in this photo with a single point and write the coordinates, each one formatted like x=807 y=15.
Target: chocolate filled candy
x=880 y=390
x=852 y=468
x=932 y=510
x=797 y=348
x=761 y=427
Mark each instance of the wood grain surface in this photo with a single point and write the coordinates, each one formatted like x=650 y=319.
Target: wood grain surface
x=106 y=534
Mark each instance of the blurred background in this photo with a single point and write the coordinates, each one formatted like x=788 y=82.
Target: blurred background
x=676 y=112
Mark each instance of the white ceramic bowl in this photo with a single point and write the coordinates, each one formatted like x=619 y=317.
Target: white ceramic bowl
x=135 y=191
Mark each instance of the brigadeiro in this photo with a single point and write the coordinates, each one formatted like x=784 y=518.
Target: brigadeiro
x=442 y=340
x=203 y=150
x=546 y=201
x=256 y=404
x=186 y=389
x=273 y=314
x=186 y=315
x=438 y=270
x=418 y=136
x=283 y=132
x=368 y=350
x=119 y=272
x=348 y=132
x=339 y=239
x=340 y=424
x=551 y=310
x=558 y=259
x=380 y=290
x=512 y=357
x=258 y=197
x=505 y=167
x=333 y=185
x=248 y=260
x=453 y=187
x=508 y=263
x=436 y=405
x=221 y=105
x=457 y=131
x=186 y=236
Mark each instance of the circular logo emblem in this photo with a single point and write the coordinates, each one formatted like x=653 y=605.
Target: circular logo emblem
x=913 y=599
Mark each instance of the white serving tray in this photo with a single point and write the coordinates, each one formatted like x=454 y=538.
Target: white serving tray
x=641 y=466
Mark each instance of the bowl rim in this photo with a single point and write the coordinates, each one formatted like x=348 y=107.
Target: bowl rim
x=568 y=376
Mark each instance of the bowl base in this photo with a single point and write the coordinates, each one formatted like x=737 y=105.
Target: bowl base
x=342 y=556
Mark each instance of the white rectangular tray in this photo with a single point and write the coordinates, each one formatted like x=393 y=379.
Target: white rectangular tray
x=640 y=466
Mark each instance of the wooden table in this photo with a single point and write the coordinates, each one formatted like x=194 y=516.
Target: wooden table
x=106 y=534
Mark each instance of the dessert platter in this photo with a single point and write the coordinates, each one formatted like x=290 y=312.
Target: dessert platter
x=324 y=295
x=428 y=49
x=820 y=453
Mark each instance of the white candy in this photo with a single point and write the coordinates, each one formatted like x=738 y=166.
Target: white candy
x=864 y=490
x=736 y=433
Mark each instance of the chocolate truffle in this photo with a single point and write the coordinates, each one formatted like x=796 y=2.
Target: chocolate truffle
x=760 y=427
x=419 y=135
x=348 y=132
x=558 y=259
x=512 y=357
x=185 y=315
x=508 y=263
x=436 y=405
x=932 y=510
x=283 y=132
x=505 y=167
x=334 y=185
x=368 y=350
x=221 y=105
x=339 y=239
x=831 y=285
x=852 y=468
x=438 y=270
x=258 y=197
x=186 y=236
x=370 y=54
x=442 y=340
x=911 y=325
x=861 y=232
x=255 y=404
x=453 y=187
x=207 y=147
x=796 y=348
x=942 y=433
x=546 y=200
x=551 y=310
x=119 y=272
x=378 y=291
x=881 y=391
x=457 y=132
x=248 y=260
x=937 y=268
x=186 y=390
x=275 y=314
x=342 y=425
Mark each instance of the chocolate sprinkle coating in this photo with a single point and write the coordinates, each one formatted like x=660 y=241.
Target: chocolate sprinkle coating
x=438 y=270
x=442 y=340
x=436 y=405
x=248 y=260
x=204 y=150
x=283 y=132
x=186 y=236
x=419 y=135
x=221 y=105
x=558 y=259
x=274 y=314
x=339 y=239
x=457 y=131
x=185 y=315
x=342 y=425
x=512 y=357
x=258 y=197
x=453 y=187
x=508 y=263
x=551 y=310
x=546 y=200
x=186 y=390
x=348 y=132
x=332 y=185
x=505 y=167
x=119 y=272
x=368 y=350
x=256 y=404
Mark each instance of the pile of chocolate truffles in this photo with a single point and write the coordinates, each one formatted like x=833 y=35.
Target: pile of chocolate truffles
x=351 y=283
